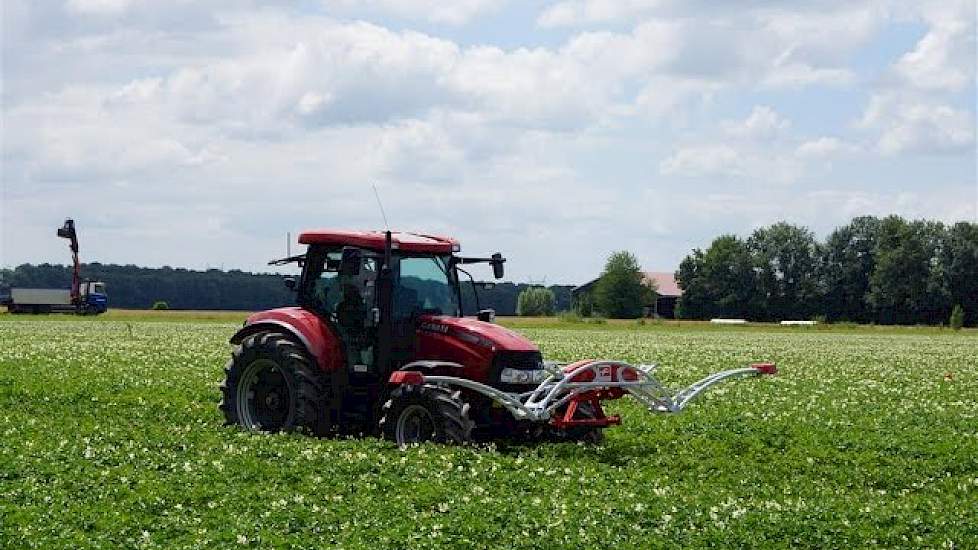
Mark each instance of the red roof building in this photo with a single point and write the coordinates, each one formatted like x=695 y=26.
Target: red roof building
x=665 y=283
x=666 y=288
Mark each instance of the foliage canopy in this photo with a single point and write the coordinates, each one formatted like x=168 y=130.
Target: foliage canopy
x=884 y=270
x=536 y=301
x=621 y=292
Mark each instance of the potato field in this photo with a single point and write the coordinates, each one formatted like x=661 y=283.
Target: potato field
x=110 y=437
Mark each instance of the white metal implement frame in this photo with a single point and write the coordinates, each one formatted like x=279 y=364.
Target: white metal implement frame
x=560 y=387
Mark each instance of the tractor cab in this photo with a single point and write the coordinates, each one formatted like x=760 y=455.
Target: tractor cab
x=375 y=292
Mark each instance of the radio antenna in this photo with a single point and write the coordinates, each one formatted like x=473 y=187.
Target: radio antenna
x=381 y=205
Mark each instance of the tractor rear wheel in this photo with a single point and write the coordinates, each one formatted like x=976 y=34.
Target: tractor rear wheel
x=415 y=414
x=272 y=385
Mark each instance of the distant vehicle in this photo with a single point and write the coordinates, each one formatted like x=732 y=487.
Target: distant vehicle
x=93 y=300
x=83 y=298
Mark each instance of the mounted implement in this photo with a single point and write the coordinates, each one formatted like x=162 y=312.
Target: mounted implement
x=378 y=343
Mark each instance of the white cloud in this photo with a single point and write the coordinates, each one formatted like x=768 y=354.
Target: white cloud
x=707 y=160
x=944 y=59
x=762 y=123
x=845 y=204
x=798 y=75
x=824 y=147
x=913 y=124
x=78 y=134
x=324 y=73
x=916 y=109
x=662 y=97
x=804 y=45
x=819 y=32
x=578 y=12
x=454 y=12
x=98 y=7
x=318 y=71
x=727 y=164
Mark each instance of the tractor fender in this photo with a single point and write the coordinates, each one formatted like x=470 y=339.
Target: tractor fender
x=303 y=326
x=434 y=368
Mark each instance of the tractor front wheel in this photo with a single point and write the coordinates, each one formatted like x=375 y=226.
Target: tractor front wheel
x=415 y=414
x=272 y=385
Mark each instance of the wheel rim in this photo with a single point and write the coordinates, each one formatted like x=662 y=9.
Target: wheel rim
x=264 y=397
x=415 y=425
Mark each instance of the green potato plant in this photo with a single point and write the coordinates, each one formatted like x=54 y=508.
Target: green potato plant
x=110 y=437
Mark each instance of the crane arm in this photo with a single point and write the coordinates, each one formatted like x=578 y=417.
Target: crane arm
x=68 y=232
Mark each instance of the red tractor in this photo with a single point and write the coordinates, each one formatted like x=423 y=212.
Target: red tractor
x=378 y=343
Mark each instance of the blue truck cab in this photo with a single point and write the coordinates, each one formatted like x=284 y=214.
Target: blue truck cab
x=94 y=300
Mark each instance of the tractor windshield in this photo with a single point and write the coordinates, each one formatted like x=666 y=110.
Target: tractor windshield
x=425 y=286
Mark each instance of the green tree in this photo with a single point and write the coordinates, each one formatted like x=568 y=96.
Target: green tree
x=961 y=268
x=535 y=301
x=717 y=283
x=848 y=260
x=584 y=304
x=957 y=317
x=906 y=285
x=622 y=292
x=937 y=303
x=787 y=261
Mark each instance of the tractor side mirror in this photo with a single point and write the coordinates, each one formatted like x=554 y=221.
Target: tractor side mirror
x=350 y=264
x=290 y=283
x=497 y=265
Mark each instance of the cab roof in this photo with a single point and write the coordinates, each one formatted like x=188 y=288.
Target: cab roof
x=374 y=240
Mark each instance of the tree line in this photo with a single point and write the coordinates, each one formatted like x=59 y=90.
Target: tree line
x=872 y=270
x=133 y=287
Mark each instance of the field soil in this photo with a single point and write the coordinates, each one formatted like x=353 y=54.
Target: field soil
x=111 y=437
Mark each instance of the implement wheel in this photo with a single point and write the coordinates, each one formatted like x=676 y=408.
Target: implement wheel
x=416 y=414
x=272 y=385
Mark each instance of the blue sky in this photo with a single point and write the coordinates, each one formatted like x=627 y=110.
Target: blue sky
x=197 y=134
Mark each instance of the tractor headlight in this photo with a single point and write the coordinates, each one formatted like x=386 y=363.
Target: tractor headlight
x=518 y=376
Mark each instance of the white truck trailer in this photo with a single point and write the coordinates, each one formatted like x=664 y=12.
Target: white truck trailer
x=56 y=300
x=39 y=300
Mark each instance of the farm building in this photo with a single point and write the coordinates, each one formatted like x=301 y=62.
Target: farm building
x=667 y=294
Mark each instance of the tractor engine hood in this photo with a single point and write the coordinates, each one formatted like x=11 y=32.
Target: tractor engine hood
x=487 y=335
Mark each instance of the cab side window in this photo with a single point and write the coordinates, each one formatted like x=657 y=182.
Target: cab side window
x=423 y=288
x=325 y=291
x=355 y=295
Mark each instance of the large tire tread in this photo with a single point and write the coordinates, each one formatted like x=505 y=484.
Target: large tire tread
x=449 y=411
x=310 y=384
